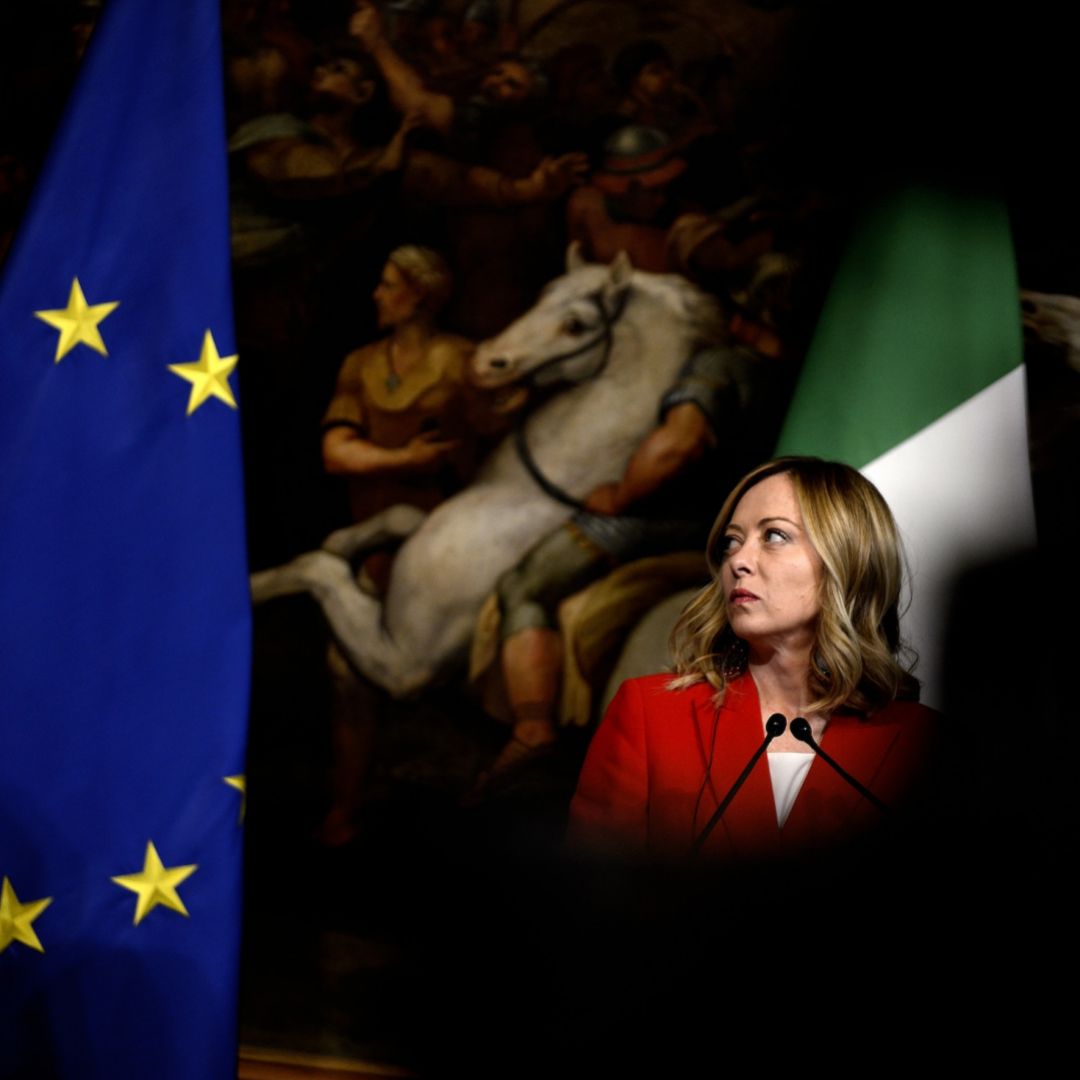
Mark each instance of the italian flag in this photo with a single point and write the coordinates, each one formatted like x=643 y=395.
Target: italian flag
x=915 y=376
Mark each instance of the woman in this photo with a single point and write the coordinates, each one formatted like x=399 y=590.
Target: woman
x=405 y=427
x=404 y=422
x=801 y=619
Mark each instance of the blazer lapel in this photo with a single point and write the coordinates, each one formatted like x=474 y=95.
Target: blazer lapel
x=828 y=807
x=748 y=826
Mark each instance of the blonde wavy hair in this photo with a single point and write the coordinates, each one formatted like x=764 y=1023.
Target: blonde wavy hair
x=859 y=661
x=427 y=271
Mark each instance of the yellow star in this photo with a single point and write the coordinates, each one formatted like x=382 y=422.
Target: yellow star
x=78 y=322
x=156 y=884
x=15 y=918
x=209 y=375
x=240 y=783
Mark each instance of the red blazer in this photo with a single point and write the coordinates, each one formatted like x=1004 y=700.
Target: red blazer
x=639 y=788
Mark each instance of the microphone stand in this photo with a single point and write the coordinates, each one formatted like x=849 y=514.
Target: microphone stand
x=774 y=726
x=800 y=728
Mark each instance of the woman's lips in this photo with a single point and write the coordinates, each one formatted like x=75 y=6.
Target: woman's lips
x=741 y=596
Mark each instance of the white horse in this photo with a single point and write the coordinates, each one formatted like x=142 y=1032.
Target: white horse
x=620 y=338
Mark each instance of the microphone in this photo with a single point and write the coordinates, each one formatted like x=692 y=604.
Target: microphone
x=774 y=726
x=800 y=728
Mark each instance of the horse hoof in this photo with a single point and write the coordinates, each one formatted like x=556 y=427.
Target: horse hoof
x=306 y=573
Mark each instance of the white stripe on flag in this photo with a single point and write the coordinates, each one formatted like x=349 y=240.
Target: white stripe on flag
x=961 y=491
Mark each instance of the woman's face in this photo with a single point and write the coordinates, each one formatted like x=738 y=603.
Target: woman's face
x=396 y=298
x=770 y=572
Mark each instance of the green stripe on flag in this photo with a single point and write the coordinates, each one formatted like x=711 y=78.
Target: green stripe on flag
x=923 y=314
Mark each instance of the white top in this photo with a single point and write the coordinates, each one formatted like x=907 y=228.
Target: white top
x=787 y=770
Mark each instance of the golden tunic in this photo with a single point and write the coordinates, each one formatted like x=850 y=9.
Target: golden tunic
x=433 y=398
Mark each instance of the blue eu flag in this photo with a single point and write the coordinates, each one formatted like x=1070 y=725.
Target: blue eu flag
x=124 y=615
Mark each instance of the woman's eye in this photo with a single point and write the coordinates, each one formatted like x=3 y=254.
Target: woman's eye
x=725 y=545
x=776 y=536
x=574 y=325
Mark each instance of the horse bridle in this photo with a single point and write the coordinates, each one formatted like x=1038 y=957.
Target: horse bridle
x=606 y=336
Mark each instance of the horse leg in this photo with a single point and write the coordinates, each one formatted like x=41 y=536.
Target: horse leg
x=355 y=620
x=394 y=523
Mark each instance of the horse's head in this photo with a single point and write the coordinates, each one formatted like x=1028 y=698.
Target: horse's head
x=567 y=336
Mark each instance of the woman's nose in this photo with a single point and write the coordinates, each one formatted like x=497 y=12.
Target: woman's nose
x=742 y=562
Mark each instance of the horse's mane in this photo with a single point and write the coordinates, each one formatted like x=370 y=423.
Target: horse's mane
x=700 y=312
x=696 y=311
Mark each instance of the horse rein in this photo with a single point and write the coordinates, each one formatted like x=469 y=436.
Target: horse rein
x=542 y=482
x=606 y=336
